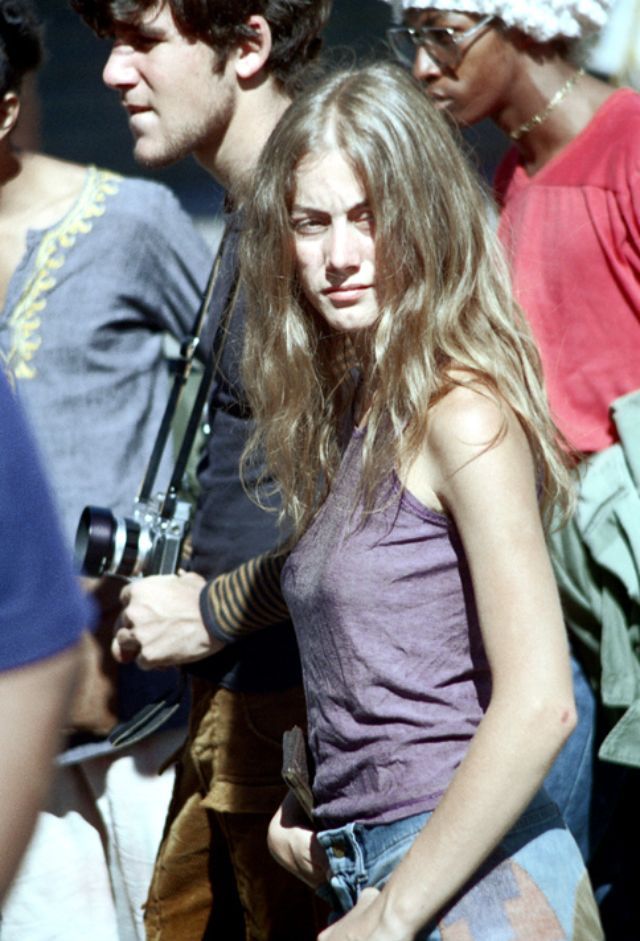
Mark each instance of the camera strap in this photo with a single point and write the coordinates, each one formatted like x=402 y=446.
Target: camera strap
x=202 y=397
x=155 y=714
x=188 y=349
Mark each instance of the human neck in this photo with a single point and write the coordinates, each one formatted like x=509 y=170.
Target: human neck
x=540 y=82
x=10 y=169
x=542 y=116
x=35 y=193
x=36 y=188
x=257 y=111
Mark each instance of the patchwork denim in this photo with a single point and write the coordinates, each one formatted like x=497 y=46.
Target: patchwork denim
x=533 y=887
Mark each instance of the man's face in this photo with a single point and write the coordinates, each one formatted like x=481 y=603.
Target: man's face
x=476 y=87
x=178 y=99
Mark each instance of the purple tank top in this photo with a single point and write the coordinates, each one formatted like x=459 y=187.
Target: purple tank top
x=395 y=673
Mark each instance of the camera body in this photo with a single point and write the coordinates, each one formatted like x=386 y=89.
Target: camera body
x=149 y=542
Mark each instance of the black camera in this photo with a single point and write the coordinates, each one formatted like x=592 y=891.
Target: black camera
x=149 y=542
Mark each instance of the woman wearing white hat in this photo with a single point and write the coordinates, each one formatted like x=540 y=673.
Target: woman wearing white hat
x=568 y=188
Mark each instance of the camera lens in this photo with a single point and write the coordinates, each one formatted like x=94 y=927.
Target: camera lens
x=105 y=545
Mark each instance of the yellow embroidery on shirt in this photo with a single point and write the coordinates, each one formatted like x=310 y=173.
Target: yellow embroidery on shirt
x=24 y=320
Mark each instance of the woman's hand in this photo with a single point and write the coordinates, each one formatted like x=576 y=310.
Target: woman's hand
x=367 y=921
x=295 y=845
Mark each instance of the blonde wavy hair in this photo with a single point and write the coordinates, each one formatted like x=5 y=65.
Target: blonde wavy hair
x=444 y=295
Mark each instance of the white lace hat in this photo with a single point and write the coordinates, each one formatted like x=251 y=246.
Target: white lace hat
x=541 y=21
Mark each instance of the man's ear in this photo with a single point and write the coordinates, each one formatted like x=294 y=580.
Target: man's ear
x=9 y=111
x=252 y=53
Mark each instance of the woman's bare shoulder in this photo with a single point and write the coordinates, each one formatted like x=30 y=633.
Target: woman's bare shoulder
x=470 y=415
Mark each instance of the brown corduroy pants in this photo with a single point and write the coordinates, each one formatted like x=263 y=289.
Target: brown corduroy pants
x=214 y=878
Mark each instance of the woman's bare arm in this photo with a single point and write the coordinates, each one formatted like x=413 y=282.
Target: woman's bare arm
x=490 y=493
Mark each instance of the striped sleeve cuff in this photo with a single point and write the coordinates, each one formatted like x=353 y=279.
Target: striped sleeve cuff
x=245 y=600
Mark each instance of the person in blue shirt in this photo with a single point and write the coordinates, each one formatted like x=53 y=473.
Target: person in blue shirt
x=42 y=617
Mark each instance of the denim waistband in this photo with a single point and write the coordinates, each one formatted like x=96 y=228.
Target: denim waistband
x=360 y=853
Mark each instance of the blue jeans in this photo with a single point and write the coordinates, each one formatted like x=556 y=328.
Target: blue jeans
x=534 y=885
x=570 y=781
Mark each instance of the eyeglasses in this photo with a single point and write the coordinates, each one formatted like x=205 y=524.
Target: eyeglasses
x=445 y=45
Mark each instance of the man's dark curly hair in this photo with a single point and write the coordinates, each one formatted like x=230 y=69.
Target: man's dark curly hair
x=295 y=25
x=20 y=43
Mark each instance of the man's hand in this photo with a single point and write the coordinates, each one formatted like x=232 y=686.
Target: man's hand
x=161 y=625
x=294 y=844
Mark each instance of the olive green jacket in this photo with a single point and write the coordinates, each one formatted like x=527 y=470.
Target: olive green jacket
x=597 y=562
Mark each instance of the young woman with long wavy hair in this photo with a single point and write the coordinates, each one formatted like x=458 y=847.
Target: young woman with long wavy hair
x=399 y=404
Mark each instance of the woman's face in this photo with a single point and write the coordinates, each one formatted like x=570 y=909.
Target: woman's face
x=334 y=241
x=480 y=85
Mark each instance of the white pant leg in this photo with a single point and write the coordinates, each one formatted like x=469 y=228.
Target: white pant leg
x=62 y=891
x=87 y=869
x=132 y=799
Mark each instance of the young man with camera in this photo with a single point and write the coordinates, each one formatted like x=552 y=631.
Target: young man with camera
x=96 y=268
x=211 y=79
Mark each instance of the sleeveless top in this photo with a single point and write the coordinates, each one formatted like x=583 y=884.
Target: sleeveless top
x=395 y=673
